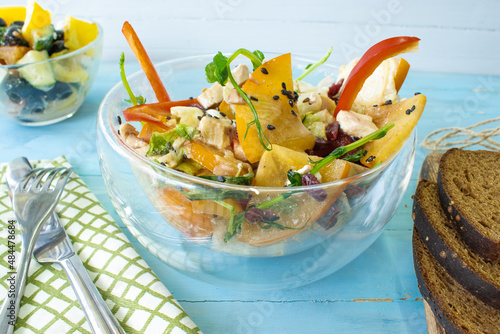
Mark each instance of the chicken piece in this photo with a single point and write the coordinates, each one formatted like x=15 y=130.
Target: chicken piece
x=211 y=96
x=240 y=74
x=355 y=124
x=231 y=96
x=216 y=132
x=129 y=135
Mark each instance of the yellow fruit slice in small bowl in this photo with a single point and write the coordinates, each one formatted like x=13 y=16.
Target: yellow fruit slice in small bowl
x=36 y=18
x=78 y=33
x=13 y=13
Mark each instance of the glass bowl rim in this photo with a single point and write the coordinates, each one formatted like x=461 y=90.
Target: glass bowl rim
x=121 y=148
x=97 y=40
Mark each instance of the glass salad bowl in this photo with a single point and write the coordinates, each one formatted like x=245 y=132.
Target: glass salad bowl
x=183 y=220
x=38 y=90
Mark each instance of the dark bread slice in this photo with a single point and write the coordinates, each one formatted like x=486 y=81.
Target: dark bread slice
x=455 y=308
x=478 y=276
x=469 y=190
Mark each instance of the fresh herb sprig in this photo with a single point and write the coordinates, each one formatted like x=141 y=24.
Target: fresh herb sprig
x=135 y=100
x=219 y=71
x=312 y=67
x=340 y=151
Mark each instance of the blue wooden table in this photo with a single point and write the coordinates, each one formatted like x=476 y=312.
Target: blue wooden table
x=376 y=293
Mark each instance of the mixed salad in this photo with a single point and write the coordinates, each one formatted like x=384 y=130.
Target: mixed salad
x=256 y=126
x=27 y=35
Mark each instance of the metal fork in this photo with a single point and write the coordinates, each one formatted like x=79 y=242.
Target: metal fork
x=34 y=199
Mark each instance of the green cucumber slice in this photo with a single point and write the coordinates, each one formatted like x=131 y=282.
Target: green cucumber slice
x=41 y=75
x=43 y=37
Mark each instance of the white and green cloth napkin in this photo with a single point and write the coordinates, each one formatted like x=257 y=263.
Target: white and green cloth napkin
x=140 y=302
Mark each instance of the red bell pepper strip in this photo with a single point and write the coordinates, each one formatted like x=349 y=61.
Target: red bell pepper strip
x=368 y=64
x=149 y=112
x=146 y=64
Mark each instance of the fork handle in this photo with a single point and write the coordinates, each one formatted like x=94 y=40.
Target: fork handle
x=98 y=314
x=9 y=310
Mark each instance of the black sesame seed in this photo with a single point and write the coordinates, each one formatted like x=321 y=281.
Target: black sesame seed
x=284 y=91
x=290 y=102
x=276 y=97
x=119 y=120
x=271 y=127
x=169 y=118
x=283 y=85
x=413 y=108
x=200 y=117
x=215 y=117
x=118 y=132
x=264 y=70
x=370 y=159
x=221 y=178
x=293 y=113
x=365 y=153
x=375 y=105
x=417 y=93
x=223 y=114
x=408 y=111
x=190 y=97
x=209 y=115
x=388 y=102
x=254 y=98
x=306 y=100
x=184 y=156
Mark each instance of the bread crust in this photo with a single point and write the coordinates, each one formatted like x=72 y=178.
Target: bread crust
x=433 y=302
x=474 y=239
x=457 y=267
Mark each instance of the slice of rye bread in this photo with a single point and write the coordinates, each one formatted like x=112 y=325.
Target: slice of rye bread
x=455 y=308
x=469 y=189
x=477 y=275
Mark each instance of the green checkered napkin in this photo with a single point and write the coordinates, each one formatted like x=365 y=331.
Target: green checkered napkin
x=135 y=295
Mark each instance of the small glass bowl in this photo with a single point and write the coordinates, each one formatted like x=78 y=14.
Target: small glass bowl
x=189 y=235
x=75 y=73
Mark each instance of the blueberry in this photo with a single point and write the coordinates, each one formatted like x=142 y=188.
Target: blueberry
x=14 y=37
x=59 y=35
x=33 y=104
x=17 y=88
x=60 y=91
x=2 y=23
x=17 y=23
x=57 y=46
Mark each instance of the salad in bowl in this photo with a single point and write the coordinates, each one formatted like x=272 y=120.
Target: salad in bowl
x=257 y=167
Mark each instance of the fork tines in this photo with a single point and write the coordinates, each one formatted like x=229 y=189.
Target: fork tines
x=42 y=178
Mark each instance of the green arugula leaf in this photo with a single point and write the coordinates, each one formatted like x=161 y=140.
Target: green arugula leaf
x=185 y=131
x=260 y=57
x=161 y=143
x=239 y=180
x=295 y=178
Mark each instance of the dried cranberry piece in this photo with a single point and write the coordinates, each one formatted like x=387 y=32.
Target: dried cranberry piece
x=332 y=130
x=354 y=191
x=335 y=88
x=256 y=215
x=323 y=147
x=318 y=194
x=309 y=179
